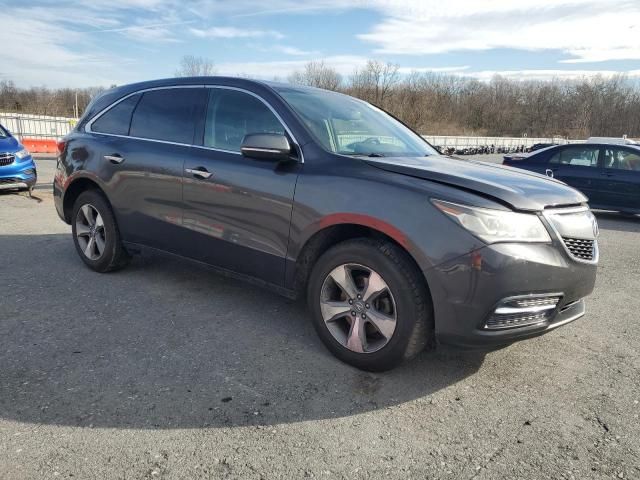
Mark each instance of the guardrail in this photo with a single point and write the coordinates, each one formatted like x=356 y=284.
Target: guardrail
x=36 y=126
x=38 y=133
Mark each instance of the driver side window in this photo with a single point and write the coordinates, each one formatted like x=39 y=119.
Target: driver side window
x=621 y=159
x=232 y=114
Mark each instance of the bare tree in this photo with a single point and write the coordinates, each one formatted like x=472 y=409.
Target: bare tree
x=429 y=102
x=375 y=81
x=317 y=74
x=192 y=66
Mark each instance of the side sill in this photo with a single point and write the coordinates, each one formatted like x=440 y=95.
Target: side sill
x=136 y=248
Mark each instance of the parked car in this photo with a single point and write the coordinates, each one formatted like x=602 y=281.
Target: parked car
x=540 y=146
x=318 y=194
x=607 y=173
x=17 y=168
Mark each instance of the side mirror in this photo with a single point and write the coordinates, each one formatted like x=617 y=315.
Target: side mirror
x=266 y=146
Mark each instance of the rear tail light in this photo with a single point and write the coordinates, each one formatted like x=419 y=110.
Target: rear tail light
x=523 y=311
x=61 y=143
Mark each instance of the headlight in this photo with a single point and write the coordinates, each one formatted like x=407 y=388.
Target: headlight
x=22 y=154
x=496 y=225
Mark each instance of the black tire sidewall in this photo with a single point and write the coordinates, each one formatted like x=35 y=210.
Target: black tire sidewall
x=366 y=254
x=112 y=240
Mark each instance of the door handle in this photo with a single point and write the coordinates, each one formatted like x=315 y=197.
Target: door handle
x=199 y=172
x=607 y=174
x=114 y=158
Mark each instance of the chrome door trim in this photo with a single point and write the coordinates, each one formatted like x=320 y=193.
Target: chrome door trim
x=114 y=158
x=198 y=173
x=87 y=127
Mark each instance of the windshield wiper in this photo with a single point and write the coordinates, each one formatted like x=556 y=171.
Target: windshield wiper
x=372 y=154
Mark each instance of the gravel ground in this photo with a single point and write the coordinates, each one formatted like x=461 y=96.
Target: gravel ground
x=166 y=370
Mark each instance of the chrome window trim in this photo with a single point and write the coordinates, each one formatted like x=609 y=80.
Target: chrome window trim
x=547 y=212
x=87 y=127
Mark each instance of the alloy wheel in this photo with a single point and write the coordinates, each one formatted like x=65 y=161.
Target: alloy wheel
x=90 y=232
x=358 y=308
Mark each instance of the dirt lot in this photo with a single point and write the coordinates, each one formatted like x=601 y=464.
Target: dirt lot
x=166 y=370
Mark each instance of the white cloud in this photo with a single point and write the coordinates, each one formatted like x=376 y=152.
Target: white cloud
x=60 y=54
x=233 y=32
x=587 y=30
x=287 y=50
x=284 y=49
x=62 y=43
x=406 y=70
x=547 y=75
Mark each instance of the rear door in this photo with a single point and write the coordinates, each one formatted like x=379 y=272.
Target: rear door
x=145 y=163
x=622 y=177
x=580 y=166
x=237 y=210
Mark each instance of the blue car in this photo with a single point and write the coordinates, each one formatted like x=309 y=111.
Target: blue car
x=609 y=174
x=17 y=168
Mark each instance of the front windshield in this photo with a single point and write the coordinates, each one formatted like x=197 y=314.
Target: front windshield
x=348 y=126
x=3 y=133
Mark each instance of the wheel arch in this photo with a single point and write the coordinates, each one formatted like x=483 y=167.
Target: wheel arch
x=73 y=191
x=340 y=228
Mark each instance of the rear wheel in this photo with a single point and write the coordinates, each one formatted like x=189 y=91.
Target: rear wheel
x=95 y=233
x=369 y=304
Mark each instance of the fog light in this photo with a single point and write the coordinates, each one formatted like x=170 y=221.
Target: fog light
x=523 y=311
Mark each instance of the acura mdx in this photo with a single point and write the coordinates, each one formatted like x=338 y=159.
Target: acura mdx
x=318 y=194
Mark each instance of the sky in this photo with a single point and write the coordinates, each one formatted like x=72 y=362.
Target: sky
x=65 y=43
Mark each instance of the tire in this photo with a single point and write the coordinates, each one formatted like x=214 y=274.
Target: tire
x=407 y=301
x=112 y=256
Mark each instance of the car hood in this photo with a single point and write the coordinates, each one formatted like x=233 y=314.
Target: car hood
x=520 y=189
x=9 y=144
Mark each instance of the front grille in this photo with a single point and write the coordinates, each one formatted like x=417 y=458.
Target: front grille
x=6 y=159
x=578 y=230
x=580 y=248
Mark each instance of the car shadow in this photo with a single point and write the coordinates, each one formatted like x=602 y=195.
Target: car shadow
x=22 y=193
x=167 y=343
x=618 y=222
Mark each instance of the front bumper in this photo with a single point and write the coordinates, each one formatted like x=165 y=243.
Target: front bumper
x=465 y=291
x=18 y=175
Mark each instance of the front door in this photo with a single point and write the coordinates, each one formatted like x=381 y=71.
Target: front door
x=622 y=177
x=237 y=210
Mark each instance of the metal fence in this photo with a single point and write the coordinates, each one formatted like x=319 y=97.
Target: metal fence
x=36 y=126
x=460 y=142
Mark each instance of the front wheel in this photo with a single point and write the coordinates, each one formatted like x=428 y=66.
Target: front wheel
x=369 y=304
x=95 y=233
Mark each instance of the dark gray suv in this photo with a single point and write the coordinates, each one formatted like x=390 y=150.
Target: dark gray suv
x=319 y=194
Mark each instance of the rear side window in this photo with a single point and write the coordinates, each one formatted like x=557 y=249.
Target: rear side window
x=579 y=156
x=231 y=115
x=117 y=120
x=168 y=114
